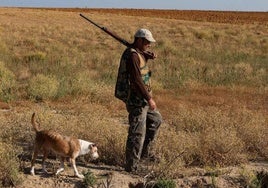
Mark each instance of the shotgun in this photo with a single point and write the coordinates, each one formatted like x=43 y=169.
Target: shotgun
x=149 y=55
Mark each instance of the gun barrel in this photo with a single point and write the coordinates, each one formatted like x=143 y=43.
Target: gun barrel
x=115 y=36
x=90 y=21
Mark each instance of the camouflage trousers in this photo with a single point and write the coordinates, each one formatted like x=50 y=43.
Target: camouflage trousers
x=143 y=127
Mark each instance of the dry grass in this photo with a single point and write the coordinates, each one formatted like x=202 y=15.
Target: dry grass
x=210 y=83
x=9 y=165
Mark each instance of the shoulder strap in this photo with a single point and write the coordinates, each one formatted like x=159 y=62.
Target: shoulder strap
x=142 y=61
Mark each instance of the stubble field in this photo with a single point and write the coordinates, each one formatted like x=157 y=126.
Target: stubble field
x=209 y=81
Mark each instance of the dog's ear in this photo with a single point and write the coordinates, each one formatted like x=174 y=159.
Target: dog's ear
x=92 y=145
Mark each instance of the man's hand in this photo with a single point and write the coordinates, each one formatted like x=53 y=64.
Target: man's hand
x=152 y=104
x=154 y=55
x=150 y=55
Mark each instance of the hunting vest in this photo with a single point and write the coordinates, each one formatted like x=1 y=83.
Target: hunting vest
x=123 y=89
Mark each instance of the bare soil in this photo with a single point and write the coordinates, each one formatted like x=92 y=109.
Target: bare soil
x=103 y=173
x=116 y=177
x=234 y=17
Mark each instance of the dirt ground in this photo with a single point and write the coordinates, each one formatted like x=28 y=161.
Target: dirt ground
x=116 y=177
x=104 y=174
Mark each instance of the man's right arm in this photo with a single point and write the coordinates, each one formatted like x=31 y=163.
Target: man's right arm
x=135 y=77
x=133 y=67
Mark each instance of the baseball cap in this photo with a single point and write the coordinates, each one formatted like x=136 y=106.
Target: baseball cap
x=145 y=33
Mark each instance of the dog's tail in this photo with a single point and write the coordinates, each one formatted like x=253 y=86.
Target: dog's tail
x=35 y=126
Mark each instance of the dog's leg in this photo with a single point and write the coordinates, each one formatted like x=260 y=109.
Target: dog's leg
x=75 y=169
x=45 y=153
x=34 y=156
x=61 y=166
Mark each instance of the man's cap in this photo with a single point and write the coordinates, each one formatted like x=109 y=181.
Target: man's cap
x=145 y=33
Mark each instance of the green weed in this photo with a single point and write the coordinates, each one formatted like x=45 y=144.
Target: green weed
x=90 y=179
x=165 y=183
x=249 y=178
x=7 y=83
x=43 y=87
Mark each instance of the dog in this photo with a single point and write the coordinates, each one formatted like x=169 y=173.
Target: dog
x=64 y=146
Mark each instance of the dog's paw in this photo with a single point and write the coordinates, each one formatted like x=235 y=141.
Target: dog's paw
x=59 y=171
x=80 y=176
x=44 y=171
x=32 y=172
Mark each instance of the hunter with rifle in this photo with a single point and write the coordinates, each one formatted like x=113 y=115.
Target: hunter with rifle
x=133 y=87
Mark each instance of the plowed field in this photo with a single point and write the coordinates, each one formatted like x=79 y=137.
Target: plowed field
x=194 y=15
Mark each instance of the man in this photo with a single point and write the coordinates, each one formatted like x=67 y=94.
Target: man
x=144 y=118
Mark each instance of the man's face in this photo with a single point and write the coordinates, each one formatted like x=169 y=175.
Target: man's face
x=144 y=44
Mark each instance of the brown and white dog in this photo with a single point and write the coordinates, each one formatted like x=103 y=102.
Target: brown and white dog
x=64 y=146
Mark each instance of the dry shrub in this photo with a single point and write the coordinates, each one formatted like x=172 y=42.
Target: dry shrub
x=210 y=147
x=9 y=166
x=252 y=129
x=35 y=57
x=43 y=87
x=81 y=83
x=202 y=35
x=245 y=68
x=249 y=178
x=102 y=94
x=112 y=145
x=7 y=83
x=210 y=135
x=220 y=146
x=172 y=147
x=3 y=48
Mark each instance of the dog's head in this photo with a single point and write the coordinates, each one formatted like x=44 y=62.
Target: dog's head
x=88 y=148
x=93 y=151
